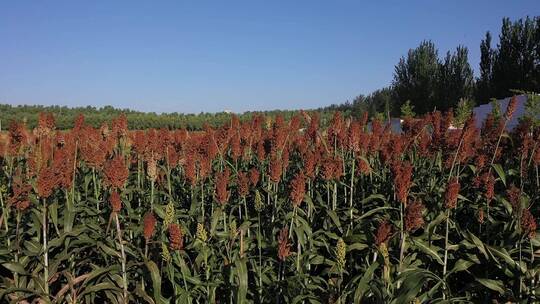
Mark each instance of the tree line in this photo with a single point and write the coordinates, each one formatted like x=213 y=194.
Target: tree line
x=424 y=81
x=65 y=117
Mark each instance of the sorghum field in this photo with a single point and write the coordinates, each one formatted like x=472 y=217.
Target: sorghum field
x=271 y=212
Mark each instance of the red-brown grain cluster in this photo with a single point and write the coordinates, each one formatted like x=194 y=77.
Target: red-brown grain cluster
x=116 y=172
x=222 y=183
x=413 y=216
x=402 y=180
x=116 y=202
x=175 y=237
x=384 y=232
x=284 y=248
x=149 y=225
x=451 y=194
x=297 y=189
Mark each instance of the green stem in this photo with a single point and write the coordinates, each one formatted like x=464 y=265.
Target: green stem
x=45 y=250
x=123 y=256
x=95 y=188
x=445 y=262
x=352 y=191
x=259 y=245
x=152 y=195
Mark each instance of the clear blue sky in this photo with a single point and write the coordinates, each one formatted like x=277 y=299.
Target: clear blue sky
x=215 y=55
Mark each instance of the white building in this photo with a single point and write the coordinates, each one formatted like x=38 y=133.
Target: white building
x=481 y=112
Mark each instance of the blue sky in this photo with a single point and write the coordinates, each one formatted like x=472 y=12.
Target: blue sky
x=194 y=56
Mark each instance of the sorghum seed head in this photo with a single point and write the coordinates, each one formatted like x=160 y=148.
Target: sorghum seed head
x=201 y=233
x=169 y=214
x=175 y=237
x=149 y=225
x=341 y=251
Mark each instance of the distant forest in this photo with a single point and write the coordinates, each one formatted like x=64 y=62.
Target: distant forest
x=65 y=117
x=422 y=82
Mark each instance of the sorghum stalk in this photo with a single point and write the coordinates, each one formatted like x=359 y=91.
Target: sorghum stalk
x=202 y=200
x=352 y=191
x=533 y=289
x=5 y=214
x=275 y=198
x=45 y=250
x=334 y=196
x=445 y=262
x=74 y=173
x=292 y=222
x=95 y=188
x=310 y=195
x=17 y=242
x=520 y=276
x=152 y=195
x=259 y=245
x=169 y=176
x=124 y=274
x=328 y=192
x=402 y=236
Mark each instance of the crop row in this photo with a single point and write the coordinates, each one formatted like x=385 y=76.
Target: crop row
x=271 y=212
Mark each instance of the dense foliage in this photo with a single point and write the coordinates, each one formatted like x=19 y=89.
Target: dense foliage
x=65 y=116
x=429 y=82
x=514 y=63
x=271 y=212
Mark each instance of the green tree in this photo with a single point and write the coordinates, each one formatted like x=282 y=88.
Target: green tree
x=464 y=110
x=515 y=63
x=407 y=110
x=415 y=77
x=456 y=80
x=484 y=83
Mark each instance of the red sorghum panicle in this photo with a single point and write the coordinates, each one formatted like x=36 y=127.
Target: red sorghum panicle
x=78 y=125
x=514 y=194
x=384 y=233
x=235 y=146
x=21 y=190
x=254 y=176
x=452 y=192
x=284 y=247
x=205 y=167
x=413 y=216
x=298 y=189
x=92 y=148
x=275 y=169
x=18 y=138
x=63 y=164
x=190 y=168
x=243 y=184
x=46 y=182
x=116 y=172
x=363 y=166
x=537 y=156
x=528 y=224
x=481 y=216
x=511 y=108
x=222 y=182
x=310 y=163
x=480 y=161
x=116 y=202
x=261 y=151
x=402 y=180
x=176 y=237
x=46 y=124
x=149 y=225
x=489 y=184
x=120 y=126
